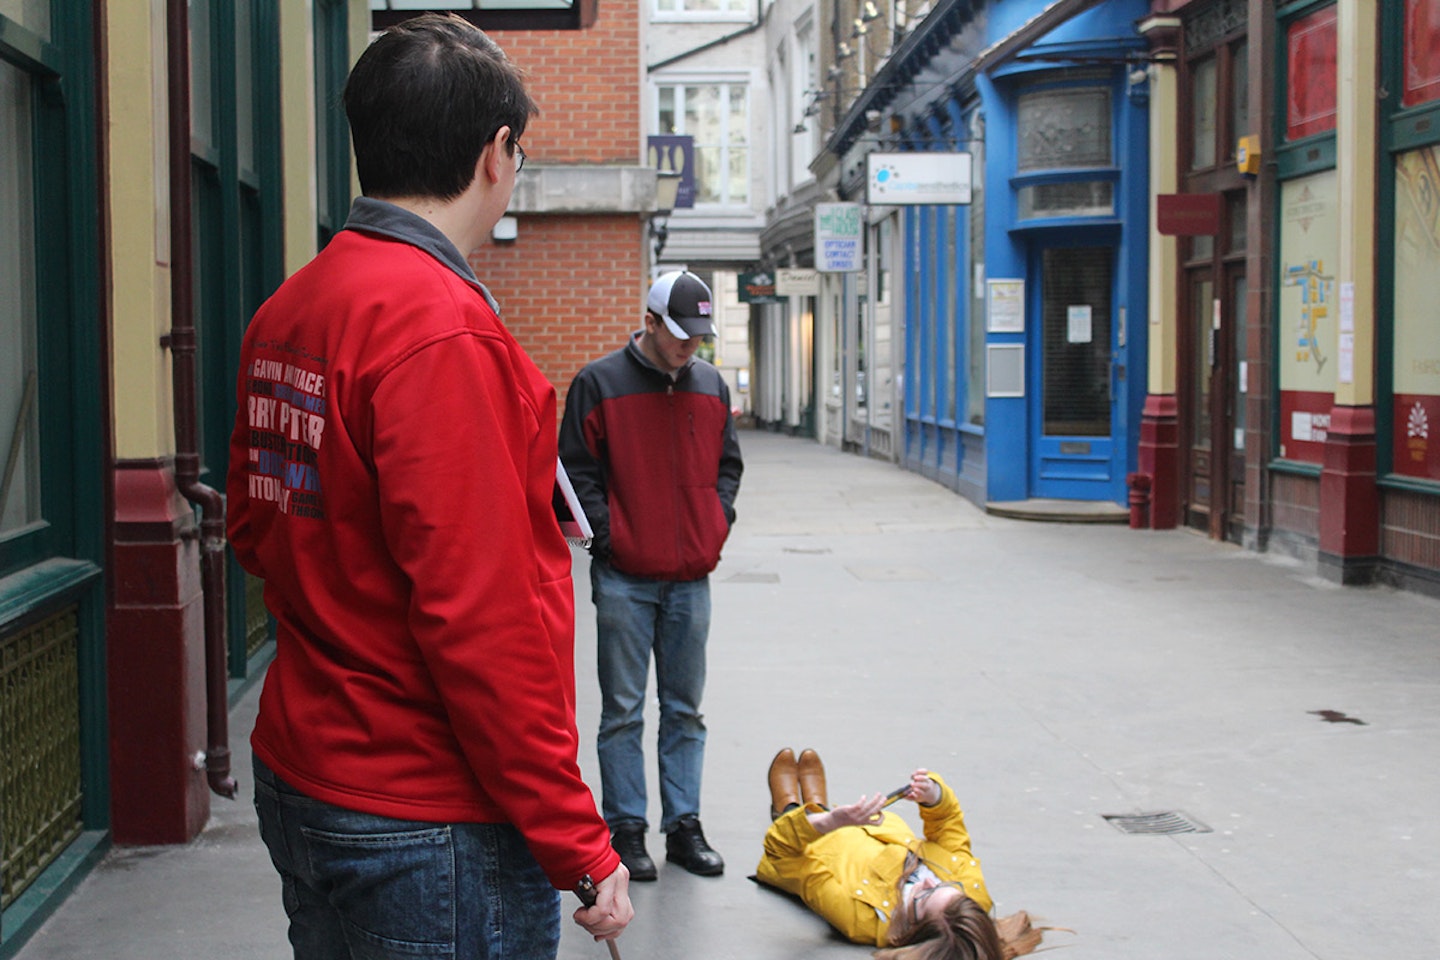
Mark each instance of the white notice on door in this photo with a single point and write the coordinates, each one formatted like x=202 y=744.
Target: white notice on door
x=1077 y=328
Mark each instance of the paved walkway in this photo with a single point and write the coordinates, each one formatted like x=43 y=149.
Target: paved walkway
x=1058 y=674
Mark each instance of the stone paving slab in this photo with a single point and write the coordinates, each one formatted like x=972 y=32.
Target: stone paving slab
x=1055 y=673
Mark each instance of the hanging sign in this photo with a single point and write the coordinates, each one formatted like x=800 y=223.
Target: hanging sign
x=917 y=178
x=1187 y=214
x=797 y=282
x=758 y=287
x=838 y=237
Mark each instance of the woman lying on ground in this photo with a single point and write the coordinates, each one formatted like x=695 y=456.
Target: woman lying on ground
x=872 y=879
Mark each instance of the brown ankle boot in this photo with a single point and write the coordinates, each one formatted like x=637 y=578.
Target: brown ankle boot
x=812 y=778
x=784 y=783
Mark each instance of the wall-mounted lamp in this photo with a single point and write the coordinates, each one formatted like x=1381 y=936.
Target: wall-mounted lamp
x=868 y=12
x=667 y=189
x=861 y=28
x=506 y=229
x=843 y=52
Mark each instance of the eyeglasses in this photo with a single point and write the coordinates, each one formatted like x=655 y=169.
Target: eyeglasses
x=917 y=902
x=519 y=152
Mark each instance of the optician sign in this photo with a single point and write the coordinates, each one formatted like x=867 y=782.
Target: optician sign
x=917 y=178
x=838 y=236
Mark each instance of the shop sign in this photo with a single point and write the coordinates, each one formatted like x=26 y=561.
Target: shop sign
x=797 y=282
x=1187 y=214
x=758 y=287
x=917 y=178
x=838 y=237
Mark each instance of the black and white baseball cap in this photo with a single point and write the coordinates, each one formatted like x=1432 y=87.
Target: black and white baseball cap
x=683 y=301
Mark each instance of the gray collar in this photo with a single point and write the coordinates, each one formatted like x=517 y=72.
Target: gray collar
x=397 y=223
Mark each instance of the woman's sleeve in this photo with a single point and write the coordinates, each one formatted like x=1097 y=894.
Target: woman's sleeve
x=945 y=821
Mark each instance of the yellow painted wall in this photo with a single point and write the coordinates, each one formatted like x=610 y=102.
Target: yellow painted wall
x=137 y=190
x=297 y=99
x=1355 y=137
x=297 y=129
x=1164 y=251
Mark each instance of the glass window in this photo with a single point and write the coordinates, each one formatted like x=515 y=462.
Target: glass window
x=1309 y=253
x=1202 y=247
x=1310 y=42
x=949 y=319
x=33 y=15
x=975 y=398
x=1235 y=210
x=1202 y=346
x=1204 y=98
x=1239 y=96
x=1065 y=128
x=717 y=116
x=700 y=8
x=1422 y=51
x=201 y=108
x=19 y=401
x=1079 y=198
x=244 y=88
x=1075 y=329
x=1415 y=359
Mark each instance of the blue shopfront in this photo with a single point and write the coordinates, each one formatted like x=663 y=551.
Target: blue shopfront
x=1024 y=310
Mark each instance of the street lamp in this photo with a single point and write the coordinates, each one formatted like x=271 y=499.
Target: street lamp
x=667 y=189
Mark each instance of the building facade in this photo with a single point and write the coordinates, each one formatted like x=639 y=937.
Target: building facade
x=1291 y=400
x=163 y=167
x=1186 y=281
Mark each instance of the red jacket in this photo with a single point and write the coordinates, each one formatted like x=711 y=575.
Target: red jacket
x=655 y=462
x=391 y=473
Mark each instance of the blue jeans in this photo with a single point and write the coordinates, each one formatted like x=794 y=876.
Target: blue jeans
x=362 y=887
x=635 y=617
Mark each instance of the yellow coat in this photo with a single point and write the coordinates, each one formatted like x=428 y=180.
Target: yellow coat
x=850 y=876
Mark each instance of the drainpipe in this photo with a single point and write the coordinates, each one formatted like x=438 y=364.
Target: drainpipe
x=181 y=342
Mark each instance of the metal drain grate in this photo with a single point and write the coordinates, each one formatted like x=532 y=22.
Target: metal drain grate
x=1170 y=821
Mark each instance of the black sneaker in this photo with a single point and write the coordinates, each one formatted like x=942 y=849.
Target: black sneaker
x=686 y=847
x=628 y=839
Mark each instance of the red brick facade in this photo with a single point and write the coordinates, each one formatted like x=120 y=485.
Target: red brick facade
x=571 y=287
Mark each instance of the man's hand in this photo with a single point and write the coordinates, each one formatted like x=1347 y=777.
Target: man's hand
x=611 y=911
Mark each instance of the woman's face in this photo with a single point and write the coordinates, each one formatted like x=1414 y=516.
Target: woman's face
x=929 y=897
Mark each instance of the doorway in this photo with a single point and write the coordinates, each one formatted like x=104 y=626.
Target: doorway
x=1215 y=400
x=1074 y=421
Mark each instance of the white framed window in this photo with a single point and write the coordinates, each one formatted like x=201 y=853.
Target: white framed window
x=805 y=144
x=703 y=9
x=716 y=114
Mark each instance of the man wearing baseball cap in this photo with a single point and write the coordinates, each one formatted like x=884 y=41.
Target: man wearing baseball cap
x=649 y=442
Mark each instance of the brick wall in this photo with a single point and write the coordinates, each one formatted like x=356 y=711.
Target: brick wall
x=587 y=86
x=571 y=287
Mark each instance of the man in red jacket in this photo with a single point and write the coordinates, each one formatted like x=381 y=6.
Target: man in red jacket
x=649 y=441
x=391 y=474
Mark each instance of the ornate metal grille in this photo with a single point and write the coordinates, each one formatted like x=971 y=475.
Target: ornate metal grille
x=257 y=618
x=1065 y=128
x=39 y=748
x=1205 y=29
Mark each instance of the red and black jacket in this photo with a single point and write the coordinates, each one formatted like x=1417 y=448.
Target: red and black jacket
x=655 y=462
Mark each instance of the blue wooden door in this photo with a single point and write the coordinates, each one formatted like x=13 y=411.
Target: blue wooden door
x=1076 y=455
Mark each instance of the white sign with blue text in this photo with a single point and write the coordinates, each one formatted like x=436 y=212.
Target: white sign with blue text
x=838 y=237
x=899 y=179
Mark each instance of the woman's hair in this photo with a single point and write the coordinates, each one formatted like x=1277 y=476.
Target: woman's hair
x=423 y=101
x=963 y=931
